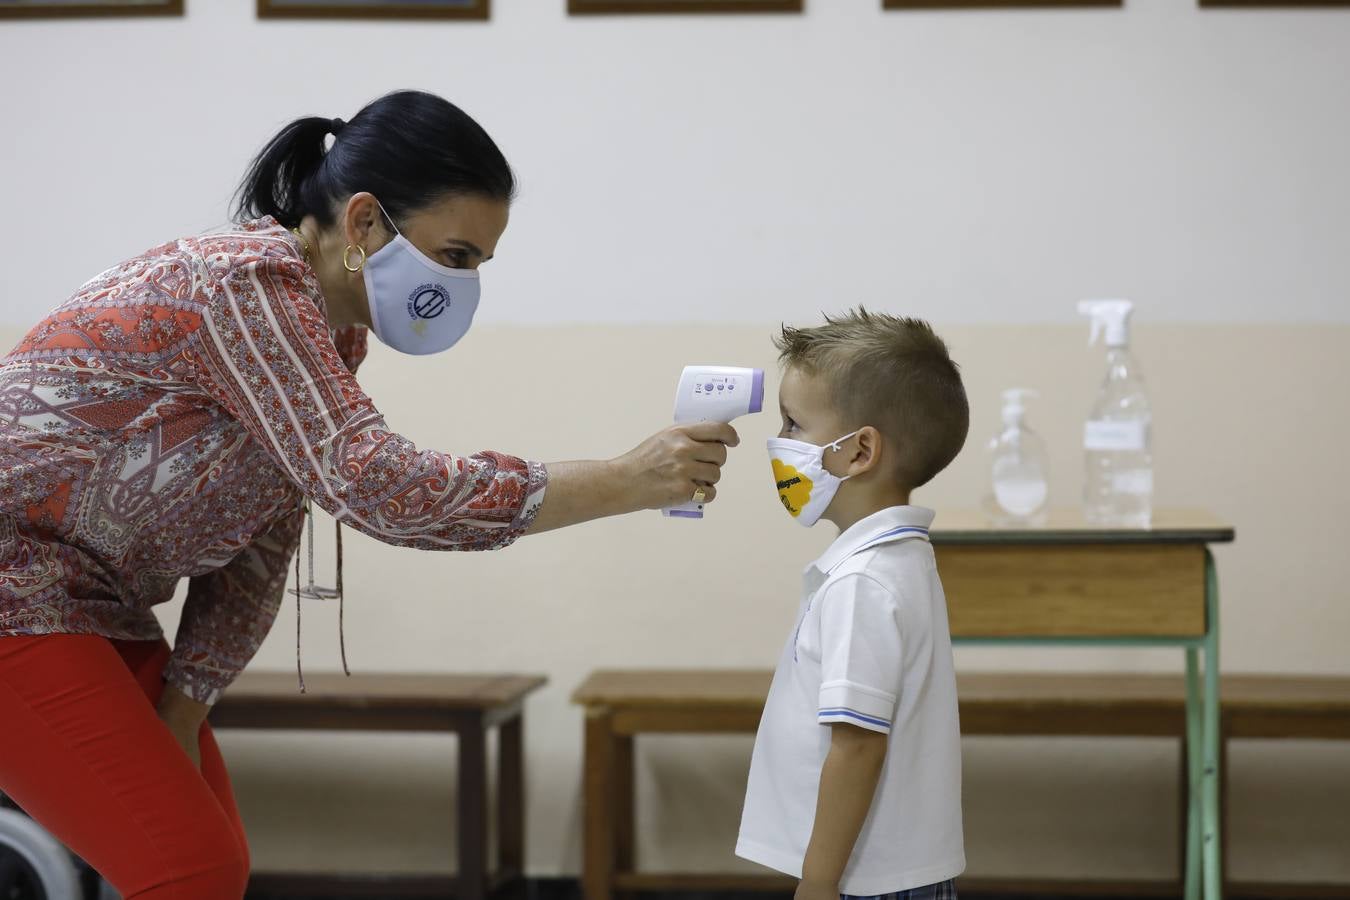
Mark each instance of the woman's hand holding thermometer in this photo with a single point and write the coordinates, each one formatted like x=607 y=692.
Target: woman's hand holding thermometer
x=713 y=394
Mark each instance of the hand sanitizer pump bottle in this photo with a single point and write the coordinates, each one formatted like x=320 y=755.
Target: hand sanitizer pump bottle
x=1019 y=470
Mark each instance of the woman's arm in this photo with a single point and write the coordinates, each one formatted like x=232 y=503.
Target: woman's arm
x=663 y=470
x=226 y=615
x=265 y=354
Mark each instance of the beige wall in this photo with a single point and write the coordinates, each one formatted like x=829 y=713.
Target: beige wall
x=990 y=165
x=1248 y=423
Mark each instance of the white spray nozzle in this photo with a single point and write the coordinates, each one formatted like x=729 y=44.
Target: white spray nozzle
x=1109 y=316
x=1014 y=406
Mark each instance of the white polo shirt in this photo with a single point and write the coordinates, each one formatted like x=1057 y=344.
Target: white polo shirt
x=871 y=648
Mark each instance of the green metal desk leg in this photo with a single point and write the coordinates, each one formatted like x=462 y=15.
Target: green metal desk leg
x=1213 y=864
x=1194 y=768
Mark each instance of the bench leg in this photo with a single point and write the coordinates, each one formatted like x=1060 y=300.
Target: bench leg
x=1211 y=844
x=625 y=837
x=1183 y=809
x=1223 y=803
x=599 y=855
x=1194 y=750
x=511 y=798
x=473 y=825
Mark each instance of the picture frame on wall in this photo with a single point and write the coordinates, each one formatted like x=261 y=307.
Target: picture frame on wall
x=56 y=9
x=628 y=7
x=998 y=4
x=478 y=10
x=1273 y=4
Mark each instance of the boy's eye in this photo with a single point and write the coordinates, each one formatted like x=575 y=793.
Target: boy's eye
x=457 y=259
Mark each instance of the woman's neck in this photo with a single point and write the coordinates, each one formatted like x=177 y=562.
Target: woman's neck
x=344 y=291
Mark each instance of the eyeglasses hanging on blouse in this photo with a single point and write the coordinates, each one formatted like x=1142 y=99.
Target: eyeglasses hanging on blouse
x=313 y=591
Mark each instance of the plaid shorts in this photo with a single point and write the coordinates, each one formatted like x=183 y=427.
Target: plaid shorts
x=943 y=890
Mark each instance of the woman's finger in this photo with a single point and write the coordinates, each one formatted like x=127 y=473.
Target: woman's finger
x=712 y=432
x=711 y=452
x=703 y=473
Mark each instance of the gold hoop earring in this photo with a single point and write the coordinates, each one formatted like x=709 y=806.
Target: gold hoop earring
x=347 y=258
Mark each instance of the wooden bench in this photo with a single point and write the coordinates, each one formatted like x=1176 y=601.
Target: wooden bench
x=620 y=705
x=466 y=705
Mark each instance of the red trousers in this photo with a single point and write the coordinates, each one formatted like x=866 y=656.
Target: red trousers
x=83 y=752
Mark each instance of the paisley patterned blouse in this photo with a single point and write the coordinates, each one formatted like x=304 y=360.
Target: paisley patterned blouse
x=169 y=420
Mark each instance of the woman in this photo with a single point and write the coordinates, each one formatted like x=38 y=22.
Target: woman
x=172 y=419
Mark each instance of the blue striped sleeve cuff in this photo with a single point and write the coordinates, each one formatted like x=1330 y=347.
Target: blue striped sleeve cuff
x=853 y=717
x=856 y=704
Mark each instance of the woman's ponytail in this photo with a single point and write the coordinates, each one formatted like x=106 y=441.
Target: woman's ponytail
x=274 y=185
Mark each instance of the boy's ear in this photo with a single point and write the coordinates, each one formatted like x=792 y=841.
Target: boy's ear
x=868 y=455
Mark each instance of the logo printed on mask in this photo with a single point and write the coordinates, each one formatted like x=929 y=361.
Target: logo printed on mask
x=805 y=486
x=417 y=305
x=428 y=301
x=794 y=488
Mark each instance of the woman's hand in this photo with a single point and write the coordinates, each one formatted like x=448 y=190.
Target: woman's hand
x=183 y=716
x=669 y=466
x=663 y=470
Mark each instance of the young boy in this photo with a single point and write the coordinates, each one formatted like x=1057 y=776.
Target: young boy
x=855 y=782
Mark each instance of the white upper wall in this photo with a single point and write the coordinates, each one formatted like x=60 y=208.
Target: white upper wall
x=966 y=166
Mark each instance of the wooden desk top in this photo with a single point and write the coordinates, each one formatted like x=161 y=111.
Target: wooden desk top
x=1170 y=526
x=385 y=691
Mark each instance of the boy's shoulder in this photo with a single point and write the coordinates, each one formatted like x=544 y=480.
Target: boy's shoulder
x=889 y=535
x=889 y=549
x=898 y=566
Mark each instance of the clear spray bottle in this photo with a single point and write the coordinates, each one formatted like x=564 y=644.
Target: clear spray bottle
x=1118 y=437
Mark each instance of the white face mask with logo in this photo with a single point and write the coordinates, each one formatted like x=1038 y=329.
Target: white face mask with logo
x=804 y=485
x=417 y=305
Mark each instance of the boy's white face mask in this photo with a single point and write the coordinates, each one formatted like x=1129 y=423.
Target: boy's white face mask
x=804 y=485
x=417 y=305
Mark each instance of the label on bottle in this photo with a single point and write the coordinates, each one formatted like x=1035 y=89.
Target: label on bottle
x=1138 y=482
x=1102 y=435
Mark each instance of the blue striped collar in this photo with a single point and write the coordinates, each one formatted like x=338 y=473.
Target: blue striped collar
x=891 y=524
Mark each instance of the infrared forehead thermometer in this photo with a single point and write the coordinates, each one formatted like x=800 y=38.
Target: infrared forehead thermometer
x=714 y=394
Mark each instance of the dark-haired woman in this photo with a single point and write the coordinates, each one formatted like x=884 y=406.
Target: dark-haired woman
x=171 y=420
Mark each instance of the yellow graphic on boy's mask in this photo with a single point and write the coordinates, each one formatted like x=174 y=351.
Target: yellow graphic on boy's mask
x=794 y=488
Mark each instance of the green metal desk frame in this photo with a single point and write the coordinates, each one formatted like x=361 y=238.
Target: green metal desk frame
x=1203 y=876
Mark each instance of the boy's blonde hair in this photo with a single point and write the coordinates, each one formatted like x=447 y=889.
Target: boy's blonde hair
x=892 y=373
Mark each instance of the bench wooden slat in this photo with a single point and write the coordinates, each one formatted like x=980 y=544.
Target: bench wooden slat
x=1105 y=689
x=370 y=701
x=1278 y=692
x=1008 y=703
x=386 y=690
x=701 y=688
